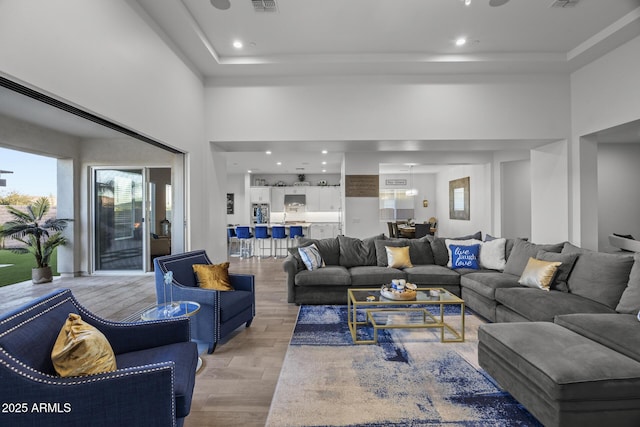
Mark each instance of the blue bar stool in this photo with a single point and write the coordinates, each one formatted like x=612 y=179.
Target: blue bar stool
x=246 y=241
x=232 y=241
x=295 y=230
x=278 y=234
x=262 y=234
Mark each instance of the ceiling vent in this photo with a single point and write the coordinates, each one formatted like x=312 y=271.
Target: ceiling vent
x=264 y=5
x=564 y=3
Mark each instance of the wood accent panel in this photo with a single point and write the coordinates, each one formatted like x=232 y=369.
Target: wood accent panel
x=362 y=186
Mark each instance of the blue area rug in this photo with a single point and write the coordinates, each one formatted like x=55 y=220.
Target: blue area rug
x=409 y=378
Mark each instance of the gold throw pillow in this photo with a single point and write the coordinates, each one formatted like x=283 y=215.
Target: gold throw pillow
x=81 y=349
x=538 y=273
x=398 y=257
x=213 y=276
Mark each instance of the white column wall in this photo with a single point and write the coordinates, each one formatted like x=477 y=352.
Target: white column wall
x=103 y=57
x=550 y=193
x=604 y=93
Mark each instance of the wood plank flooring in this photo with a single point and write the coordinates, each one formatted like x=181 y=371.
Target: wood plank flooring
x=237 y=382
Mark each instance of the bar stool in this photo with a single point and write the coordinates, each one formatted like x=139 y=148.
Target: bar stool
x=278 y=234
x=246 y=241
x=295 y=230
x=262 y=234
x=232 y=241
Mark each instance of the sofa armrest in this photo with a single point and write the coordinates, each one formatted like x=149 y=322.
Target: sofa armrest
x=103 y=399
x=125 y=337
x=242 y=282
x=290 y=266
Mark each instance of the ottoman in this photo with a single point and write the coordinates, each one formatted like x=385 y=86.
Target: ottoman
x=561 y=377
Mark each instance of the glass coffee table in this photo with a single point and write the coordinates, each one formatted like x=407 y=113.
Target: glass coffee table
x=383 y=313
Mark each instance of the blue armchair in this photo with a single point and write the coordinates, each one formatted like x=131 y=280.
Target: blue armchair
x=221 y=312
x=152 y=386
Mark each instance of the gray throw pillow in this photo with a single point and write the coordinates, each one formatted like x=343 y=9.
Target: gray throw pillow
x=419 y=250
x=559 y=282
x=570 y=248
x=630 y=300
x=601 y=277
x=356 y=252
x=329 y=248
x=522 y=251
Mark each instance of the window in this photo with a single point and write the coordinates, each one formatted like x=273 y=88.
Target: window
x=396 y=205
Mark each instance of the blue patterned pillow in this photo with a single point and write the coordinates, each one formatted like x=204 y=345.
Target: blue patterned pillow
x=465 y=256
x=311 y=257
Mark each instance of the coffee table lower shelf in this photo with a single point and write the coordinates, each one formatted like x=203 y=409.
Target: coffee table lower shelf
x=385 y=314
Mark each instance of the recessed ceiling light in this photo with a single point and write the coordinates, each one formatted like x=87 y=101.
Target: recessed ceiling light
x=461 y=41
x=279 y=163
x=324 y=151
x=324 y=170
x=467 y=2
x=268 y=152
x=237 y=44
x=249 y=171
x=324 y=163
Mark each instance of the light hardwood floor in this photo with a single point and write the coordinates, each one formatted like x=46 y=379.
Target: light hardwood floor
x=237 y=382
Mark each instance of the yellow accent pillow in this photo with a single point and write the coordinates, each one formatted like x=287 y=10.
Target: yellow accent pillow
x=398 y=257
x=538 y=273
x=81 y=349
x=213 y=276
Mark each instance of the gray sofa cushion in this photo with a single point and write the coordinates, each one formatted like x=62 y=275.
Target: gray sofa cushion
x=559 y=281
x=329 y=248
x=538 y=305
x=620 y=332
x=485 y=283
x=374 y=276
x=330 y=275
x=419 y=250
x=356 y=252
x=522 y=251
x=432 y=275
x=439 y=247
x=630 y=300
x=601 y=277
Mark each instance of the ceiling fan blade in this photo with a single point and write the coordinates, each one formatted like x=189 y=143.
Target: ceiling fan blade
x=496 y=3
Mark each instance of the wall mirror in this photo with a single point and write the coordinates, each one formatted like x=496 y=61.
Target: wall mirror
x=459 y=199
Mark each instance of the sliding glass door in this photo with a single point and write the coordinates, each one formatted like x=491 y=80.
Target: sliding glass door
x=119 y=235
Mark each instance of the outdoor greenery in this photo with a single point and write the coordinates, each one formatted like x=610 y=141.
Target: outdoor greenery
x=20 y=266
x=15 y=198
x=39 y=236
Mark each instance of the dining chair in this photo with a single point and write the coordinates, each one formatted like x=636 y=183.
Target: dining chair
x=232 y=242
x=422 y=230
x=396 y=232
x=391 y=231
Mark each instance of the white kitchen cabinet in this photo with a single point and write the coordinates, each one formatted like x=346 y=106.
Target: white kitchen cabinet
x=322 y=230
x=277 y=199
x=260 y=194
x=329 y=199
x=313 y=199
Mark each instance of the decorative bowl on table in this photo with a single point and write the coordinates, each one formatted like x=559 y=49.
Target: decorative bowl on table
x=403 y=294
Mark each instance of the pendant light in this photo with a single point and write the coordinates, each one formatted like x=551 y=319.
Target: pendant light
x=411 y=191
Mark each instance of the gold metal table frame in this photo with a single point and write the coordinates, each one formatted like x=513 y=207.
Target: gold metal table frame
x=380 y=305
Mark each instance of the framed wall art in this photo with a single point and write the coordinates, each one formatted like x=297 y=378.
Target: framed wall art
x=459 y=199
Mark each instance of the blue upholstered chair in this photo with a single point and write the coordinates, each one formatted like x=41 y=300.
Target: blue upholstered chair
x=261 y=236
x=295 y=230
x=246 y=241
x=152 y=386
x=278 y=236
x=221 y=312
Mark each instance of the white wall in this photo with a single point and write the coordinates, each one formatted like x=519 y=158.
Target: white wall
x=119 y=69
x=516 y=199
x=604 y=94
x=479 y=195
x=388 y=108
x=550 y=193
x=618 y=197
x=235 y=185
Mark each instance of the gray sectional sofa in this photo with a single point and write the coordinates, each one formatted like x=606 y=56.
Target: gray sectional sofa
x=570 y=355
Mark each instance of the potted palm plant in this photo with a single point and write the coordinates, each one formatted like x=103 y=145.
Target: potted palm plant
x=40 y=236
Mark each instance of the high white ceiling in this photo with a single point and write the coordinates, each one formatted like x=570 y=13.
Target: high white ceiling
x=363 y=37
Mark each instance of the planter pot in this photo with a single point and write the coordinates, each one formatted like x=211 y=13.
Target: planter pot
x=41 y=275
